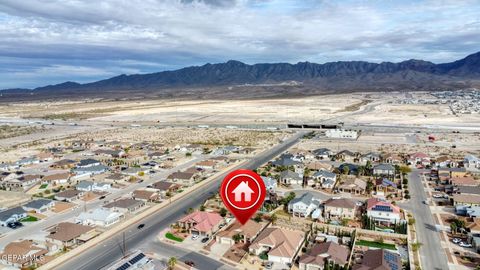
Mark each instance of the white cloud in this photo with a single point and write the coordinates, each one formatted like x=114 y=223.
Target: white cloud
x=175 y=33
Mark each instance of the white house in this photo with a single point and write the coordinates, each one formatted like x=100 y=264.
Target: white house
x=243 y=190
x=270 y=183
x=383 y=211
x=12 y=215
x=99 y=217
x=322 y=153
x=304 y=205
x=384 y=169
x=325 y=178
x=93 y=186
x=290 y=178
x=471 y=162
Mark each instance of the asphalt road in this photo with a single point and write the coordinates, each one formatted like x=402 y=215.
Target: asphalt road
x=111 y=250
x=431 y=252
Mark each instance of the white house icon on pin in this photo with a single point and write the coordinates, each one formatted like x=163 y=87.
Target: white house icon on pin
x=243 y=188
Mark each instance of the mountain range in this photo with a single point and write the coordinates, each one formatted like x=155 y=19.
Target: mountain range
x=236 y=79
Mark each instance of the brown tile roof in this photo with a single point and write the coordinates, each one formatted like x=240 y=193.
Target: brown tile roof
x=164 y=185
x=116 y=176
x=466 y=198
x=285 y=242
x=67 y=231
x=68 y=193
x=465 y=181
x=204 y=221
x=56 y=176
x=180 y=175
x=249 y=230
x=209 y=163
x=22 y=252
x=331 y=250
x=145 y=195
x=340 y=203
x=124 y=203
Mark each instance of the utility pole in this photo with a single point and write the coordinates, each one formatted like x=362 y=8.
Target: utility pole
x=124 y=246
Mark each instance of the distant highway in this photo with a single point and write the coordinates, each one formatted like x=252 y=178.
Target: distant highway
x=109 y=251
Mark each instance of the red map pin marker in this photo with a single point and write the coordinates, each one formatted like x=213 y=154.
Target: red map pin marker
x=242 y=192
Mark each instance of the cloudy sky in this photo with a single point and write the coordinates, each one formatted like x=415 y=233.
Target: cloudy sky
x=46 y=41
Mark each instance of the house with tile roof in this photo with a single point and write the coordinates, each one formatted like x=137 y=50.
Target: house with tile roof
x=339 y=208
x=392 y=159
x=69 y=234
x=379 y=259
x=22 y=254
x=464 y=181
x=418 y=158
x=466 y=199
x=150 y=195
x=201 y=223
x=248 y=232
x=280 y=245
x=320 y=253
x=383 y=211
x=69 y=195
x=185 y=178
x=353 y=185
x=125 y=205
x=56 y=178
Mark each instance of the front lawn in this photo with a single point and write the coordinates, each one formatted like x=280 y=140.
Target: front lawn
x=376 y=244
x=173 y=237
x=29 y=219
x=43 y=186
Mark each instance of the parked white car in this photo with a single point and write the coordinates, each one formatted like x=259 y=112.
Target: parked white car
x=195 y=237
x=466 y=245
x=456 y=240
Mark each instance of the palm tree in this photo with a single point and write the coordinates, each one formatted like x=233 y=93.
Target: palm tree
x=172 y=262
x=361 y=170
x=273 y=218
x=453 y=227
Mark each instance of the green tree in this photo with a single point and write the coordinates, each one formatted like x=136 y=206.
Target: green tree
x=237 y=238
x=223 y=212
x=361 y=170
x=453 y=227
x=411 y=221
x=172 y=261
x=345 y=170
x=258 y=217
x=405 y=169
x=416 y=246
x=273 y=218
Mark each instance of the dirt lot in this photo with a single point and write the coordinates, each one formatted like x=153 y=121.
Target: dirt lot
x=9 y=198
